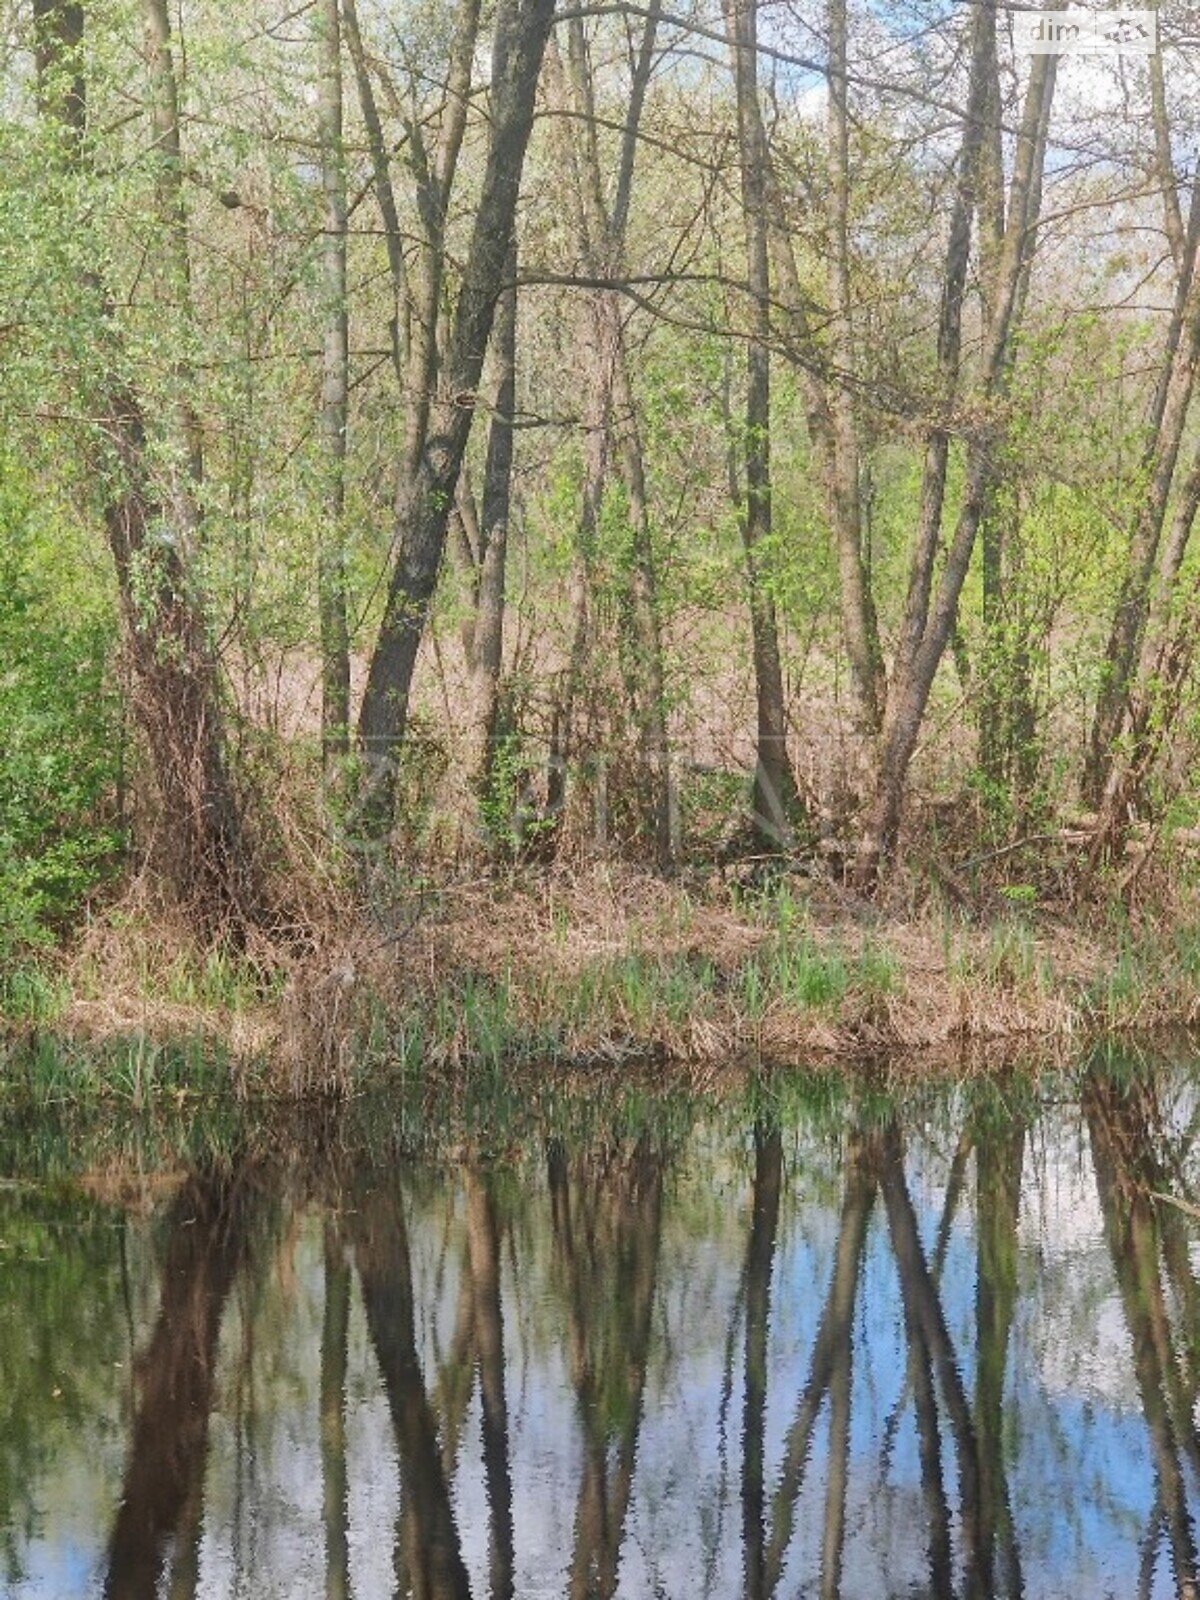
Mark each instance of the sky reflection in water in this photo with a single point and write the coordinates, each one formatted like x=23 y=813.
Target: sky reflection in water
x=946 y=1349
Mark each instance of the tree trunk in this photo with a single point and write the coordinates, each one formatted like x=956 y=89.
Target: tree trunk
x=1181 y=359
x=487 y=642
x=176 y=695
x=58 y=56
x=331 y=575
x=833 y=446
x=612 y=421
x=858 y=611
x=381 y=175
x=174 y=267
x=426 y=494
x=930 y=619
x=776 y=797
x=995 y=668
x=645 y=671
x=1130 y=615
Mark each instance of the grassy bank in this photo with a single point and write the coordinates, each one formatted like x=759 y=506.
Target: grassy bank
x=603 y=968
x=69 y=1107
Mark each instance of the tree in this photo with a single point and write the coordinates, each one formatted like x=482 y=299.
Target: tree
x=442 y=411
x=931 y=612
x=331 y=575
x=776 y=798
x=614 y=439
x=152 y=527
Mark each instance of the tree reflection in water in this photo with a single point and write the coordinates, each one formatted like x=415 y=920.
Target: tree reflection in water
x=1132 y=1180
x=606 y=1216
x=512 y=1377
x=161 y=1503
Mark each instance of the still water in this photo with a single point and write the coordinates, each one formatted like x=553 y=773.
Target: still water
x=861 y=1347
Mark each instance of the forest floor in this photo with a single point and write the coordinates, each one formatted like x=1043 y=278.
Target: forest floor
x=607 y=967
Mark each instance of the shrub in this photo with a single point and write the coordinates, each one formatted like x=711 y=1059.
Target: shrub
x=59 y=725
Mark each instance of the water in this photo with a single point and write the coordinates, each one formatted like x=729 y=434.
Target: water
x=942 y=1346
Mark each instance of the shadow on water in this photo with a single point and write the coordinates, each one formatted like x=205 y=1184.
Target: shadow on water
x=945 y=1344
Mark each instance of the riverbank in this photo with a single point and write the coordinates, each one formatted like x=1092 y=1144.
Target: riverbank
x=612 y=968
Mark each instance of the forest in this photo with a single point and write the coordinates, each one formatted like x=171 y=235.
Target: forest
x=693 y=504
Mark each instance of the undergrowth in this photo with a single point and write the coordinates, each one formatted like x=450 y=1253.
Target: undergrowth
x=511 y=977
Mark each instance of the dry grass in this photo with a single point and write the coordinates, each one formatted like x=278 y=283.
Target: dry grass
x=609 y=966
